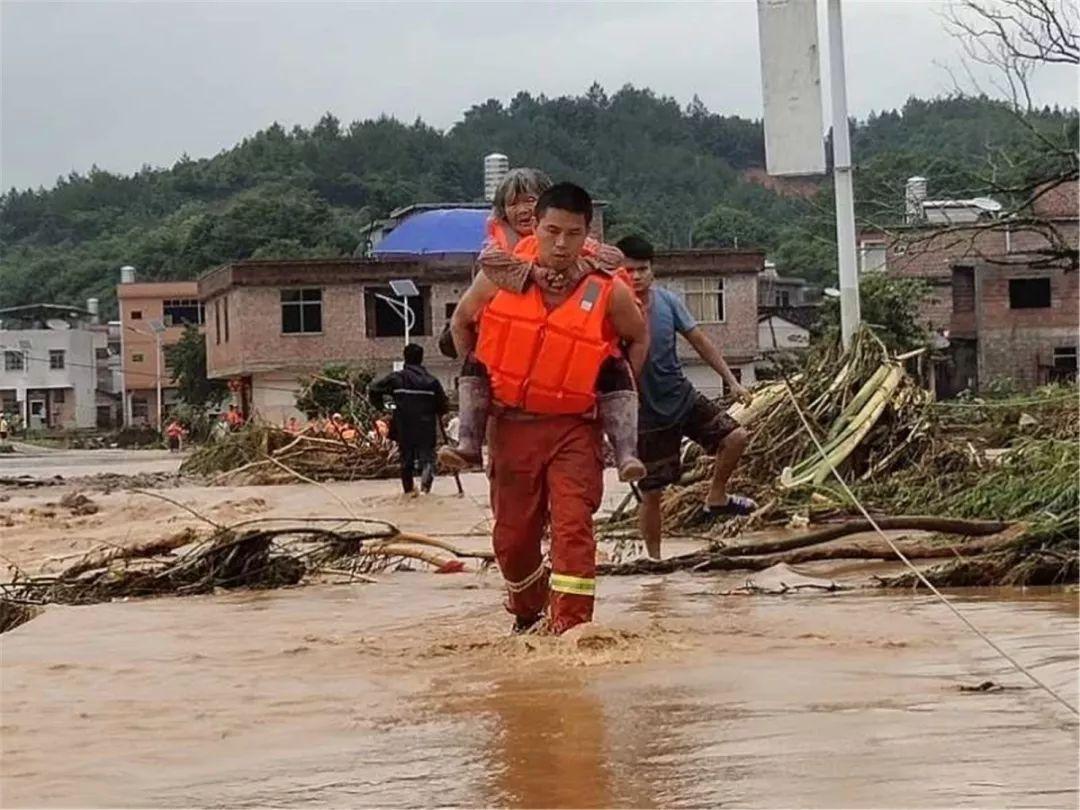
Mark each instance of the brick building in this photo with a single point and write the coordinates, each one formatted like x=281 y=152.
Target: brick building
x=270 y=322
x=145 y=307
x=1005 y=307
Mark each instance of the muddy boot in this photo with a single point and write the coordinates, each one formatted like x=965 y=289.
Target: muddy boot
x=474 y=399
x=619 y=416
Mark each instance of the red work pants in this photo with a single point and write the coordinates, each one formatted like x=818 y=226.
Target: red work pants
x=547 y=470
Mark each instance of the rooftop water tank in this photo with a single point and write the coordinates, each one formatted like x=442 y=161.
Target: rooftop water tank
x=496 y=166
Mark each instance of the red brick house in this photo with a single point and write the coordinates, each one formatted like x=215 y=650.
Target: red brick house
x=270 y=322
x=1002 y=294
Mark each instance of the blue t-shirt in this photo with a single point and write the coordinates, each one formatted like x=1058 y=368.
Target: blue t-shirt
x=666 y=394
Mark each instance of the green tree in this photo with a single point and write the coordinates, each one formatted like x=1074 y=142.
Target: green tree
x=336 y=389
x=727 y=227
x=889 y=306
x=187 y=359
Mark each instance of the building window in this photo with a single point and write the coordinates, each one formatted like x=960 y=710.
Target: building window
x=136 y=358
x=872 y=257
x=13 y=361
x=382 y=320
x=58 y=396
x=1065 y=358
x=225 y=311
x=450 y=311
x=177 y=311
x=1029 y=293
x=963 y=289
x=217 y=322
x=136 y=315
x=301 y=311
x=705 y=299
x=56 y=359
x=783 y=298
x=140 y=408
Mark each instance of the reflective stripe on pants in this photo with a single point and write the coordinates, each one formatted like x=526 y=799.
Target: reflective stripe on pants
x=547 y=472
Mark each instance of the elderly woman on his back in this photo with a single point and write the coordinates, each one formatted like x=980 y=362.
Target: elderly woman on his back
x=512 y=220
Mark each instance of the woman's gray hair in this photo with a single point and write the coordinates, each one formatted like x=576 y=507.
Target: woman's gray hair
x=519 y=181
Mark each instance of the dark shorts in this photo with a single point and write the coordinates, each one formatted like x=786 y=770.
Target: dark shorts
x=660 y=449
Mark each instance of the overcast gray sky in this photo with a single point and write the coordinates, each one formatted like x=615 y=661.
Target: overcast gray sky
x=123 y=84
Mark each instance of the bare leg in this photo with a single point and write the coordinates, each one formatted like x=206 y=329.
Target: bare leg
x=727 y=458
x=649 y=521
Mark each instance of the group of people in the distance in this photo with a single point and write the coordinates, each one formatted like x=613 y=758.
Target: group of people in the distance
x=563 y=339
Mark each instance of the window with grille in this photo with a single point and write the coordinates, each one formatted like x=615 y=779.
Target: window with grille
x=13 y=361
x=217 y=322
x=177 y=311
x=56 y=359
x=140 y=408
x=705 y=299
x=301 y=311
x=963 y=289
x=136 y=358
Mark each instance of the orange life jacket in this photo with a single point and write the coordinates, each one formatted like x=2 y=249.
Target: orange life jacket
x=546 y=361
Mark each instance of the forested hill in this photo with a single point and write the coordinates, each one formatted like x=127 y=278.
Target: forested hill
x=674 y=173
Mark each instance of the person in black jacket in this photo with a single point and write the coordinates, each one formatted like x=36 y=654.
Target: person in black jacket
x=419 y=402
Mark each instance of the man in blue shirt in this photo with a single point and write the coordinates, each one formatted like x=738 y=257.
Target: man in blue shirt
x=671 y=408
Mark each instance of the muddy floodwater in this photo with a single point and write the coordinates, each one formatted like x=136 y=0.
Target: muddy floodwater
x=410 y=693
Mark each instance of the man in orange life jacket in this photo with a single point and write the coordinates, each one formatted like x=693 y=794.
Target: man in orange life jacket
x=543 y=349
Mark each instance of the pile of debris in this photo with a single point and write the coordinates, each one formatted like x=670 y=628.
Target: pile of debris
x=260 y=553
x=264 y=454
x=903 y=455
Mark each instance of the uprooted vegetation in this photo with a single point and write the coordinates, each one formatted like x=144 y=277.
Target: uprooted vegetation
x=254 y=554
x=914 y=463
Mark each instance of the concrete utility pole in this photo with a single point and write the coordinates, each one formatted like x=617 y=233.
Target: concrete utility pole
x=842 y=182
x=788 y=32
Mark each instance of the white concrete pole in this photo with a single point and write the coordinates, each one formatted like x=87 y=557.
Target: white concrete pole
x=405 y=316
x=845 y=196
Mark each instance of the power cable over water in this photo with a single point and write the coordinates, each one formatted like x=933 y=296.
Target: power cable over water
x=858 y=504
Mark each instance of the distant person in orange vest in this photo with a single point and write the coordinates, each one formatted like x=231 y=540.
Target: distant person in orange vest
x=543 y=350
x=175 y=431
x=508 y=260
x=233 y=418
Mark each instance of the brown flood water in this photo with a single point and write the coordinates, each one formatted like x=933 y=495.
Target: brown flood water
x=409 y=693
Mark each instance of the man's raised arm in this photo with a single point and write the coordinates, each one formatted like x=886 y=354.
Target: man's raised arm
x=629 y=324
x=463 y=321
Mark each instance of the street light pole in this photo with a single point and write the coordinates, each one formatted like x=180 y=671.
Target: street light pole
x=845 y=195
x=157 y=343
x=407 y=317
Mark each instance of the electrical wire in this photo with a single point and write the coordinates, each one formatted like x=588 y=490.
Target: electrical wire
x=922 y=578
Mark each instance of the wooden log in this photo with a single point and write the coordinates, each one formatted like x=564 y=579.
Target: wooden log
x=926 y=523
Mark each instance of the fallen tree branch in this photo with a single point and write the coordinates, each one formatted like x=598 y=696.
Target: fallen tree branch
x=940 y=525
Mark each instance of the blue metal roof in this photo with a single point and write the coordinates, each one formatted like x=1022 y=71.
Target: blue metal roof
x=446 y=230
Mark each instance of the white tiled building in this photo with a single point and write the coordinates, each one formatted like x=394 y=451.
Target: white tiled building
x=49 y=365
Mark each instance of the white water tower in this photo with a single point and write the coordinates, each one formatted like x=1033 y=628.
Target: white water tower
x=496 y=166
x=914 y=197
x=127 y=274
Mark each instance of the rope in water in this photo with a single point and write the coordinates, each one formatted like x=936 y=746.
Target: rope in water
x=821 y=450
